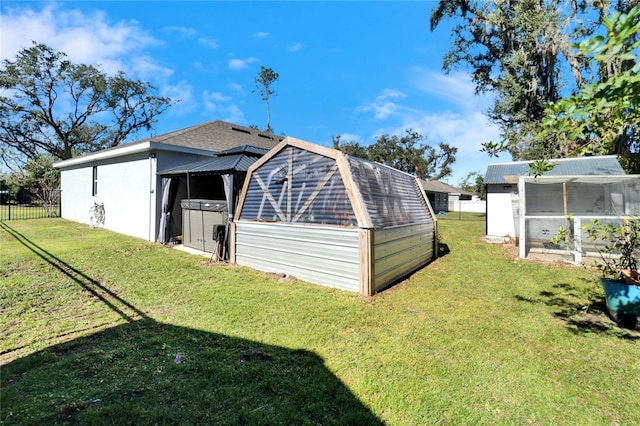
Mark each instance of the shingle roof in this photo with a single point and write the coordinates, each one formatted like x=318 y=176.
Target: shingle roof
x=216 y=136
x=437 y=186
x=581 y=166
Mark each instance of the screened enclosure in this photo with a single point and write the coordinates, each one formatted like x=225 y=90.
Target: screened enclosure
x=332 y=219
x=549 y=203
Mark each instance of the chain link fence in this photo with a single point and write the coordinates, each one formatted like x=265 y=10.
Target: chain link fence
x=468 y=216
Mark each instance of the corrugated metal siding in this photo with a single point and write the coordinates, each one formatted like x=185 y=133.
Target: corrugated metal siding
x=391 y=197
x=582 y=166
x=301 y=187
x=401 y=250
x=322 y=255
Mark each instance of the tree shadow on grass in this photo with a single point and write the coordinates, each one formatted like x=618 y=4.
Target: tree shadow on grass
x=568 y=303
x=125 y=310
x=144 y=372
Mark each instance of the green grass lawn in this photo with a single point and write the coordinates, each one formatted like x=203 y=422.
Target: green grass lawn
x=99 y=328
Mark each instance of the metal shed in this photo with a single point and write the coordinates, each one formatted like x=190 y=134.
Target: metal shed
x=332 y=219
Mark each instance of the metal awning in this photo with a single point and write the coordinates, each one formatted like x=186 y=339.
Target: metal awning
x=233 y=160
x=216 y=165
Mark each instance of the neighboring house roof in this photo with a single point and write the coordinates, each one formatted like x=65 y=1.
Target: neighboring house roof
x=437 y=186
x=504 y=173
x=207 y=138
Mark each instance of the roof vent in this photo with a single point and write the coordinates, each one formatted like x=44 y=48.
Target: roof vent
x=262 y=135
x=241 y=130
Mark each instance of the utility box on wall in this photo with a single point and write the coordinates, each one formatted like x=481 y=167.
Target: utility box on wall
x=200 y=223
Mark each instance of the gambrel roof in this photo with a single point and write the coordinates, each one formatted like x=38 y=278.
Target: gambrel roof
x=300 y=182
x=507 y=173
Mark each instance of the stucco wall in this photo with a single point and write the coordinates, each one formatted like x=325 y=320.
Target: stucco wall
x=127 y=188
x=76 y=199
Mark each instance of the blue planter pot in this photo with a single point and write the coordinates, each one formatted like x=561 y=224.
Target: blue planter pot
x=623 y=302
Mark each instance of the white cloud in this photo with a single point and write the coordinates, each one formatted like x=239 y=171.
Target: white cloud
x=148 y=69
x=183 y=31
x=222 y=106
x=382 y=107
x=350 y=137
x=465 y=131
x=209 y=42
x=216 y=96
x=457 y=119
x=236 y=87
x=390 y=94
x=456 y=89
x=238 y=64
x=85 y=38
x=182 y=94
x=262 y=34
x=295 y=47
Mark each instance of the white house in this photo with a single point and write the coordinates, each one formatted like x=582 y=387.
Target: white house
x=503 y=198
x=127 y=180
x=447 y=198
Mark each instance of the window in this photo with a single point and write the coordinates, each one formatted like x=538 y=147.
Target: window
x=94 y=190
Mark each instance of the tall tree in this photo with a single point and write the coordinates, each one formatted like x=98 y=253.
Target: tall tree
x=265 y=79
x=407 y=153
x=604 y=117
x=50 y=105
x=350 y=148
x=522 y=52
x=474 y=183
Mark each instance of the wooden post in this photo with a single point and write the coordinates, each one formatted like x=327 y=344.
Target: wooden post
x=367 y=263
x=232 y=243
x=564 y=198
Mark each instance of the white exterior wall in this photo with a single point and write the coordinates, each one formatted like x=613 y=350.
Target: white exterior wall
x=127 y=188
x=76 y=199
x=318 y=254
x=501 y=218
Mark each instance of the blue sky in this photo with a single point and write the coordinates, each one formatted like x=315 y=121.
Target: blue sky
x=355 y=69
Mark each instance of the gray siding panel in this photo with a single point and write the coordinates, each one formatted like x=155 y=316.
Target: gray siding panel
x=318 y=254
x=401 y=250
